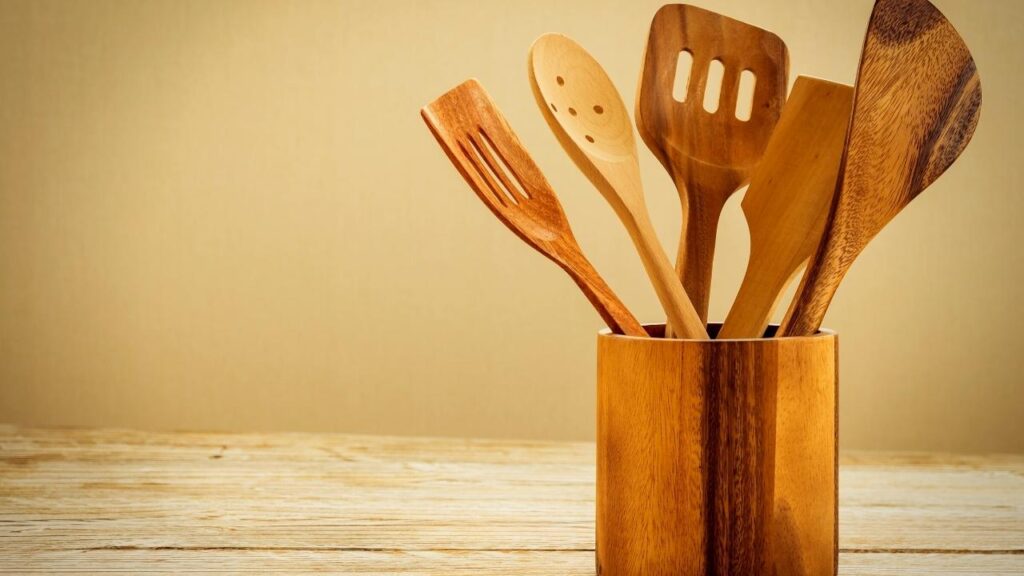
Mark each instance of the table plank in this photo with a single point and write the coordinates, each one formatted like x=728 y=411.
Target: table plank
x=432 y=563
x=133 y=501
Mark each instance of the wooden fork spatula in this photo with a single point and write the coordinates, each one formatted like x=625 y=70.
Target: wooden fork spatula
x=586 y=114
x=708 y=154
x=917 y=101
x=485 y=150
x=789 y=197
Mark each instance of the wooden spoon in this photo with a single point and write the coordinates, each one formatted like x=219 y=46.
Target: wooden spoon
x=485 y=150
x=586 y=113
x=918 y=97
x=708 y=154
x=789 y=197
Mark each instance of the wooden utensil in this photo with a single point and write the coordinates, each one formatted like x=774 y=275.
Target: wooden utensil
x=918 y=97
x=485 y=150
x=788 y=199
x=586 y=113
x=708 y=154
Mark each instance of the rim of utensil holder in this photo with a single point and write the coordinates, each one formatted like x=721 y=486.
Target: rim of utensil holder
x=657 y=333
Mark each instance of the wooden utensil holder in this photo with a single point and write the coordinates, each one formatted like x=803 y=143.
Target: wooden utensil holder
x=717 y=457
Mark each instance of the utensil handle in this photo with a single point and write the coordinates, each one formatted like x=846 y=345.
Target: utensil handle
x=615 y=314
x=818 y=286
x=756 y=300
x=695 y=256
x=682 y=317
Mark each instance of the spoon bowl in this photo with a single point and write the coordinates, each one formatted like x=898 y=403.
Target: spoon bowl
x=595 y=118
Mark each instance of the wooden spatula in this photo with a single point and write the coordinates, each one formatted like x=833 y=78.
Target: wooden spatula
x=788 y=199
x=708 y=154
x=485 y=150
x=586 y=113
x=918 y=97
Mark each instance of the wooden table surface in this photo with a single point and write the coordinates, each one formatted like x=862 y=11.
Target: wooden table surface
x=118 y=501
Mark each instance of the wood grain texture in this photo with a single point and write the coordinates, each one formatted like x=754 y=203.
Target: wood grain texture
x=482 y=146
x=584 y=110
x=917 y=103
x=108 y=501
x=708 y=155
x=717 y=457
x=788 y=200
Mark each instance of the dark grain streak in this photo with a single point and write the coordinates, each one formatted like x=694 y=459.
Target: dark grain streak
x=902 y=21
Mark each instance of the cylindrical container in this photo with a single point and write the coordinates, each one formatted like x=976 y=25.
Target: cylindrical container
x=717 y=457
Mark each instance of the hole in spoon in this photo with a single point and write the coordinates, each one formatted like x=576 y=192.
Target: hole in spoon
x=589 y=138
x=681 y=82
x=599 y=109
x=713 y=87
x=745 y=96
x=553 y=107
x=572 y=111
x=560 y=80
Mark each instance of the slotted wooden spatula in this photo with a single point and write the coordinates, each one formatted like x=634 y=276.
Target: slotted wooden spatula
x=586 y=114
x=789 y=197
x=485 y=150
x=918 y=97
x=708 y=154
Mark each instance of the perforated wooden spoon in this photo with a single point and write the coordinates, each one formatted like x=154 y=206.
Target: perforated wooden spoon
x=485 y=150
x=918 y=97
x=708 y=154
x=586 y=113
x=789 y=197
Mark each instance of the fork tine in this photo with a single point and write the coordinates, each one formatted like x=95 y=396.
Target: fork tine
x=502 y=156
x=483 y=173
x=460 y=157
x=496 y=169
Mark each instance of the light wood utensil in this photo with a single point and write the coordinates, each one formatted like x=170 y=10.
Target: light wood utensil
x=586 y=113
x=788 y=199
x=708 y=154
x=918 y=97
x=485 y=150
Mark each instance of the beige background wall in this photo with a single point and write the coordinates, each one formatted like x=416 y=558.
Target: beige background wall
x=229 y=216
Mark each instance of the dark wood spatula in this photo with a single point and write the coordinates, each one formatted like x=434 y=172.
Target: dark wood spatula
x=917 y=101
x=708 y=154
x=485 y=150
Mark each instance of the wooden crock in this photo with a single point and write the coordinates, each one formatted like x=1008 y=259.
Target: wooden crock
x=717 y=457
